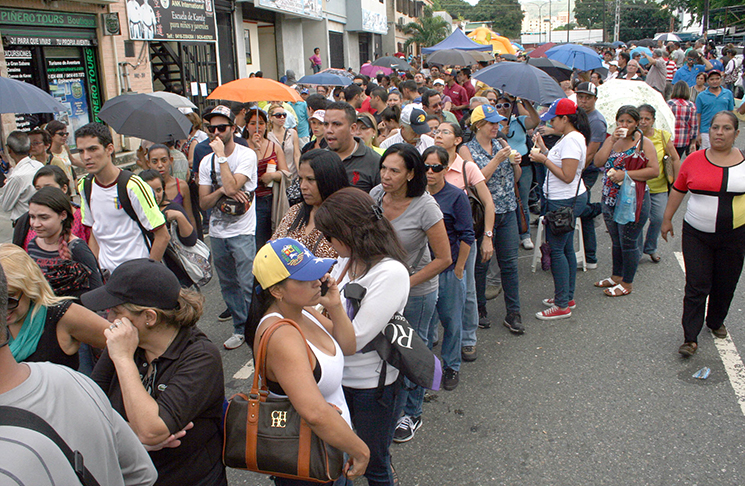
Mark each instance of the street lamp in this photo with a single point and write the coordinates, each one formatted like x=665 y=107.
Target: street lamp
x=540 y=14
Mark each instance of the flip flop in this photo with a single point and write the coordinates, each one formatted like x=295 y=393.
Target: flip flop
x=606 y=283
x=611 y=292
x=655 y=257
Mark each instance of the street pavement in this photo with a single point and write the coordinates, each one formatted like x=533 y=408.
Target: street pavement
x=602 y=398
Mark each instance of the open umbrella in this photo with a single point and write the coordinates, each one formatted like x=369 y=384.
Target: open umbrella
x=448 y=57
x=619 y=92
x=20 y=97
x=176 y=101
x=509 y=57
x=254 y=89
x=338 y=72
x=522 y=80
x=482 y=56
x=617 y=44
x=643 y=59
x=643 y=43
x=575 y=56
x=667 y=37
x=392 y=63
x=325 y=79
x=540 y=51
x=146 y=117
x=372 y=70
x=557 y=70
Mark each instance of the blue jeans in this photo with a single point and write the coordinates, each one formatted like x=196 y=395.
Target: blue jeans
x=263 y=220
x=419 y=311
x=233 y=260
x=523 y=186
x=470 y=309
x=589 y=177
x=506 y=243
x=563 y=257
x=625 y=239
x=374 y=419
x=658 y=202
x=450 y=302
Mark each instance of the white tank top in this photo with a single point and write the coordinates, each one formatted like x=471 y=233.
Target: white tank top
x=332 y=369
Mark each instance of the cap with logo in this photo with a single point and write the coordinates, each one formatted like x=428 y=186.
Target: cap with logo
x=486 y=112
x=415 y=117
x=220 y=110
x=318 y=115
x=287 y=258
x=587 y=88
x=560 y=107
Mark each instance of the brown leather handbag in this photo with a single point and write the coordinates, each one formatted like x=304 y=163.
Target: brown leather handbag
x=266 y=435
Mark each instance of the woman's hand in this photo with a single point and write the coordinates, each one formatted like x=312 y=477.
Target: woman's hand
x=616 y=176
x=172 y=214
x=267 y=177
x=333 y=296
x=356 y=466
x=255 y=140
x=173 y=440
x=666 y=228
x=539 y=157
x=538 y=140
x=487 y=249
x=122 y=339
x=618 y=134
x=502 y=155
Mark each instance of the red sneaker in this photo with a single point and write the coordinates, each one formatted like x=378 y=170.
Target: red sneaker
x=554 y=313
x=550 y=303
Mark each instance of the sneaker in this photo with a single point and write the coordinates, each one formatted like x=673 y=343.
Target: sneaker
x=225 y=316
x=492 y=291
x=468 y=353
x=528 y=244
x=235 y=341
x=450 y=379
x=484 y=322
x=554 y=312
x=514 y=323
x=721 y=333
x=591 y=266
x=550 y=303
x=406 y=428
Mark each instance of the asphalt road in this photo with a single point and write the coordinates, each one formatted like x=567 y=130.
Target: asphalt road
x=602 y=398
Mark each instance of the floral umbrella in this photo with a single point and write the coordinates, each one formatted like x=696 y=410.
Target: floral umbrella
x=619 y=92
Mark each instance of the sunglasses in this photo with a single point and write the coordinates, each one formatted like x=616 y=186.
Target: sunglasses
x=502 y=105
x=280 y=115
x=62 y=134
x=13 y=302
x=435 y=168
x=219 y=128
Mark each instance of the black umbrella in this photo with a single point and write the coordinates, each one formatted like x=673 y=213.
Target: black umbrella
x=20 y=97
x=392 y=62
x=557 y=70
x=146 y=117
x=509 y=57
x=522 y=80
x=451 y=57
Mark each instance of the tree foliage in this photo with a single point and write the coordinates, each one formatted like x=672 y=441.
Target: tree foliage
x=427 y=30
x=640 y=19
x=696 y=8
x=506 y=16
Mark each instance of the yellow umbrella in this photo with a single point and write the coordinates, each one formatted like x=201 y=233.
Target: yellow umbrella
x=501 y=45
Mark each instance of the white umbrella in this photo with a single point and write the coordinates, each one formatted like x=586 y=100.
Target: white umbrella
x=619 y=92
x=667 y=37
x=176 y=101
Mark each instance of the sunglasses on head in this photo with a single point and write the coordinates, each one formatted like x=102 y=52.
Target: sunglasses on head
x=435 y=168
x=502 y=105
x=280 y=115
x=219 y=128
x=13 y=302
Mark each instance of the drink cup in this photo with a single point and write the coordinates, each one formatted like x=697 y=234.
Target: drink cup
x=623 y=132
x=269 y=169
x=535 y=150
x=514 y=157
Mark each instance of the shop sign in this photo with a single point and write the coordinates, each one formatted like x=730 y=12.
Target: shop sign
x=21 y=40
x=91 y=72
x=172 y=20
x=374 y=22
x=20 y=67
x=37 y=18
x=312 y=9
x=67 y=84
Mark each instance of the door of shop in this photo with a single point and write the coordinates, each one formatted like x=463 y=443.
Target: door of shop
x=176 y=65
x=336 y=47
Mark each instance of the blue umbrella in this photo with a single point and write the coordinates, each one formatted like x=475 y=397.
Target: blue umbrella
x=522 y=80
x=325 y=79
x=576 y=57
x=20 y=97
x=518 y=46
x=617 y=44
x=643 y=59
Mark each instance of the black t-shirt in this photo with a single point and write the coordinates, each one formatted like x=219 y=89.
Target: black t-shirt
x=48 y=348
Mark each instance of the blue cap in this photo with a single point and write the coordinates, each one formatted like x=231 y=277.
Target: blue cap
x=560 y=107
x=486 y=112
x=287 y=258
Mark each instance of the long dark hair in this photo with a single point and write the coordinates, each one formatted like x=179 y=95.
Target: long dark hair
x=356 y=220
x=251 y=114
x=56 y=172
x=59 y=202
x=581 y=123
x=633 y=112
x=413 y=161
x=151 y=175
x=330 y=174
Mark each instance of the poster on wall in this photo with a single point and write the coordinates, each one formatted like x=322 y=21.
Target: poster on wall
x=67 y=84
x=305 y=8
x=21 y=67
x=173 y=20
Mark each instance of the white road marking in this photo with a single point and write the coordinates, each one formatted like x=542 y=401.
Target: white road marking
x=729 y=356
x=245 y=372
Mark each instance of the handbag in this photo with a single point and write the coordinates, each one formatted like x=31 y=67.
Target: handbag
x=562 y=220
x=195 y=260
x=478 y=211
x=294 y=196
x=266 y=434
x=227 y=204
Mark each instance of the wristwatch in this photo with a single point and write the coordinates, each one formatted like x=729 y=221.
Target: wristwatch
x=222 y=160
x=489 y=234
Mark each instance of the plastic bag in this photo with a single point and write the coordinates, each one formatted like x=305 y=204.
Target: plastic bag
x=625 y=211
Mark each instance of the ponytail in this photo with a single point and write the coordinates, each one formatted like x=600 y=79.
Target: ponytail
x=581 y=123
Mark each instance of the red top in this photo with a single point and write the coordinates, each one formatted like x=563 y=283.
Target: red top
x=261 y=189
x=459 y=96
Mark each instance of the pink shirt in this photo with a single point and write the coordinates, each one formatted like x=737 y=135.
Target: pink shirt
x=454 y=174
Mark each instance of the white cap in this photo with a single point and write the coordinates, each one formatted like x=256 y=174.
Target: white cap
x=438 y=81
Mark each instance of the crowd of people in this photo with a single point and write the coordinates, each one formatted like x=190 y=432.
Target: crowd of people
x=408 y=193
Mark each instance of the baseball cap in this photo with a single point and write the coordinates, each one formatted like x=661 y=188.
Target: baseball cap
x=613 y=63
x=220 y=110
x=712 y=72
x=141 y=281
x=587 y=88
x=486 y=112
x=319 y=115
x=438 y=81
x=304 y=91
x=415 y=117
x=449 y=72
x=287 y=258
x=560 y=107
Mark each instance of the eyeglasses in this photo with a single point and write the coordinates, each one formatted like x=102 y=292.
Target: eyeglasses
x=502 y=105
x=13 y=302
x=280 y=115
x=219 y=128
x=435 y=168
x=444 y=132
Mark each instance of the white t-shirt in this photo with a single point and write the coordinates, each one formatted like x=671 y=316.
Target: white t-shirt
x=570 y=146
x=387 y=285
x=81 y=414
x=119 y=237
x=422 y=144
x=242 y=161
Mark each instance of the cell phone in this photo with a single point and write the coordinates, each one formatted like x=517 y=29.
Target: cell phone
x=324 y=287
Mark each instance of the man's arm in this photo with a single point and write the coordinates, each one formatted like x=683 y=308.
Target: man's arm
x=10 y=193
x=231 y=184
x=592 y=149
x=160 y=242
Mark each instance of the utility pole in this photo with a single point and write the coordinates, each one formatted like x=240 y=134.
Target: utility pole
x=604 y=34
x=617 y=25
x=569 y=16
x=549 y=21
x=706 y=18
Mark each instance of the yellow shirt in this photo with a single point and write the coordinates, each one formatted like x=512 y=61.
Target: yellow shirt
x=659 y=183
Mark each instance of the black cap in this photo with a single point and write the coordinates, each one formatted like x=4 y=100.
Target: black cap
x=587 y=88
x=142 y=282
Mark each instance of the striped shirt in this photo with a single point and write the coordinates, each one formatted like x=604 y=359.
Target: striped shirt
x=671 y=68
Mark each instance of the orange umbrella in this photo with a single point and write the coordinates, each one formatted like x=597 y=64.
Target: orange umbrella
x=254 y=89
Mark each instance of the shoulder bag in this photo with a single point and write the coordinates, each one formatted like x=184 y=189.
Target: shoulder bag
x=226 y=204
x=266 y=434
x=478 y=211
x=562 y=220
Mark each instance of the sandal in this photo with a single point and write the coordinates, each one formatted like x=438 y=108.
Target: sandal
x=606 y=283
x=655 y=257
x=611 y=292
